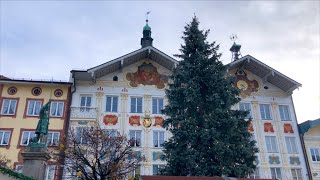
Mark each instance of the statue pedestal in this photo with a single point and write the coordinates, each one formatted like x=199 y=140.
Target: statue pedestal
x=35 y=162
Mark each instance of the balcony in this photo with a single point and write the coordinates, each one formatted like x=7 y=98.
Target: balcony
x=83 y=113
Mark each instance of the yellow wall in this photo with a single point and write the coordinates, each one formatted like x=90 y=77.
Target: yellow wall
x=314 y=131
x=18 y=122
x=312 y=140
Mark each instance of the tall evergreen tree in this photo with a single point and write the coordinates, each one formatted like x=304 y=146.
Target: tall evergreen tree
x=209 y=138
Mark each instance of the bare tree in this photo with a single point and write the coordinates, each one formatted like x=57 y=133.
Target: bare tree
x=4 y=161
x=92 y=153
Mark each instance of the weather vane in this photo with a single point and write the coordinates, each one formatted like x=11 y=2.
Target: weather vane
x=233 y=37
x=147 y=15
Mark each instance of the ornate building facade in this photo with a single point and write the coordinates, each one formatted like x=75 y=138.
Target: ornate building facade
x=266 y=94
x=20 y=103
x=126 y=95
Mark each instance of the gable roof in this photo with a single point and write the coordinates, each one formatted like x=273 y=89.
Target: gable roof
x=265 y=72
x=2 y=77
x=149 y=52
x=305 y=126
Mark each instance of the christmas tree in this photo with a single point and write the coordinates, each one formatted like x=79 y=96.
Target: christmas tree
x=208 y=137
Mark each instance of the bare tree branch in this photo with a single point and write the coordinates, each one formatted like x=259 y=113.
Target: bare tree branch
x=93 y=153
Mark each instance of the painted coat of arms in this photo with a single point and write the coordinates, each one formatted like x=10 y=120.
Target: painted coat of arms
x=147 y=74
x=287 y=128
x=158 y=121
x=268 y=127
x=134 y=120
x=110 y=119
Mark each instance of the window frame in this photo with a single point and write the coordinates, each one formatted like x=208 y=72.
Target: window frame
x=272 y=149
x=26 y=113
x=158 y=144
x=264 y=111
x=47 y=171
x=81 y=128
x=136 y=104
x=255 y=174
x=5 y=130
x=158 y=108
x=291 y=144
x=112 y=104
x=297 y=177
x=55 y=114
x=317 y=156
x=281 y=111
x=133 y=173
x=250 y=109
x=52 y=138
x=21 y=136
x=112 y=133
x=3 y=99
x=159 y=166
x=136 y=142
x=20 y=169
x=276 y=172
x=85 y=107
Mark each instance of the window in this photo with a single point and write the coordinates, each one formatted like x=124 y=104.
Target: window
x=36 y=91
x=136 y=104
x=156 y=169
x=4 y=137
x=79 y=135
x=58 y=93
x=34 y=107
x=256 y=174
x=12 y=90
x=85 y=103
x=53 y=138
x=112 y=104
x=115 y=78
x=315 y=154
x=157 y=105
x=56 y=109
x=284 y=113
x=265 y=112
x=9 y=106
x=291 y=145
x=158 y=138
x=135 y=137
x=50 y=172
x=275 y=173
x=246 y=107
x=26 y=137
x=271 y=143
x=111 y=132
x=19 y=168
x=135 y=173
x=296 y=174
x=253 y=137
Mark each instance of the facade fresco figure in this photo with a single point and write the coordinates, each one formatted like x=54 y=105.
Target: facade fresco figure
x=43 y=124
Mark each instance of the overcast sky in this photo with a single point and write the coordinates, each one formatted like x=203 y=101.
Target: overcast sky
x=41 y=40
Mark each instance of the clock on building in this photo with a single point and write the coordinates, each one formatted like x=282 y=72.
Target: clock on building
x=245 y=85
x=242 y=84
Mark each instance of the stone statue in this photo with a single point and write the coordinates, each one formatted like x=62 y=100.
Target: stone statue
x=43 y=124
